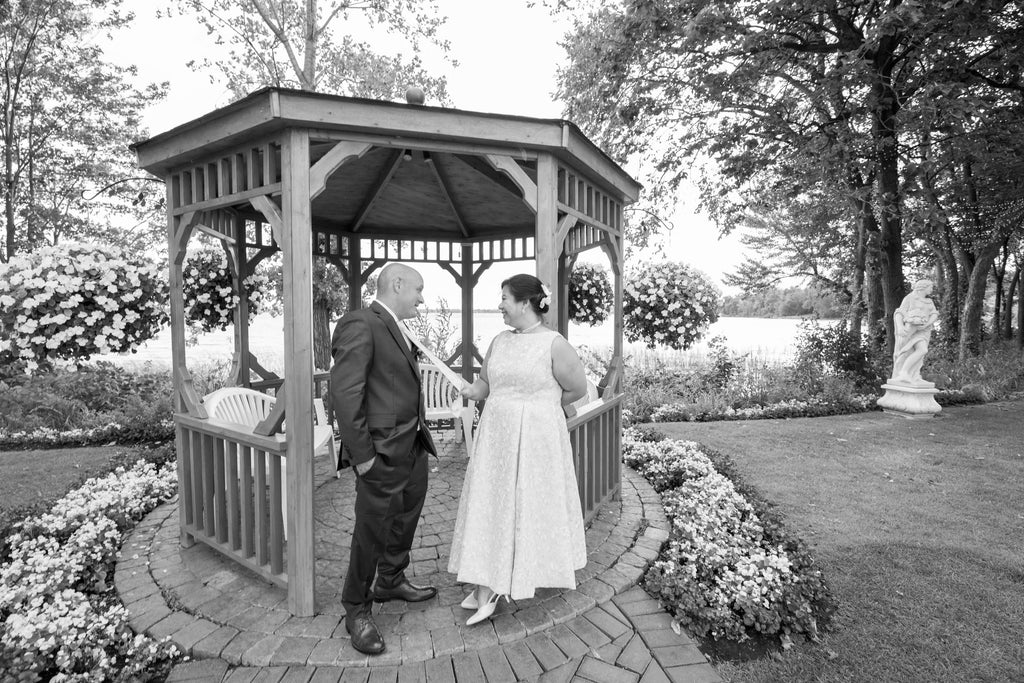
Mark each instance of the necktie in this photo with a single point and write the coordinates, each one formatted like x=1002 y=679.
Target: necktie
x=445 y=370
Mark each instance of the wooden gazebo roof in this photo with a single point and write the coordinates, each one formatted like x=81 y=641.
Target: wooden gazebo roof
x=450 y=193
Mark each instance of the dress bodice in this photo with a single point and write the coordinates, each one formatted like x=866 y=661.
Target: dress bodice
x=520 y=367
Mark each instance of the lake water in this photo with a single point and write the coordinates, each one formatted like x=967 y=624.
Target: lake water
x=767 y=339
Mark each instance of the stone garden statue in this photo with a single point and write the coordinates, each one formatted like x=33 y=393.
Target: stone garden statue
x=913 y=322
x=906 y=392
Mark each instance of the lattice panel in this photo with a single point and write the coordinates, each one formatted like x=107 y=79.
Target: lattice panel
x=578 y=196
x=583 y=237
x=227 y=178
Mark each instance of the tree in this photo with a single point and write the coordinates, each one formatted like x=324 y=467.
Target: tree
x=839 y=97
x=309 y=45
x=299 y=44
x=67 y=119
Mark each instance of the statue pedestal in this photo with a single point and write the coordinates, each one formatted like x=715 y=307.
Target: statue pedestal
x=910 y=401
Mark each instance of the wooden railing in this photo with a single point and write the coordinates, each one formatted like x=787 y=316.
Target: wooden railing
x=231 y=484
x=596 y=437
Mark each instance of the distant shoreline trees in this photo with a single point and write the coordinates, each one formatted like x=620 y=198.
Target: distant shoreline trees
x=786 y=302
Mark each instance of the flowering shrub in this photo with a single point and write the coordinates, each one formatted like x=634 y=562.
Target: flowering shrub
x=210 y=296
x=669 y=304
x=590 y=294
x=59 y=618
x=46 y=437
x=724 y=573
x=76 y=300
x=814 y=406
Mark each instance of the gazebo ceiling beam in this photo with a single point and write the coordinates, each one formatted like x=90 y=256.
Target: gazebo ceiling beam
x=488 y=171
x=394 y=161
x=526 y=185
x=331 y=162
x=402 y=142
x=445 y=185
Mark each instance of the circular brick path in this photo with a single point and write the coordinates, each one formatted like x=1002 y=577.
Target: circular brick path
x=215 y=610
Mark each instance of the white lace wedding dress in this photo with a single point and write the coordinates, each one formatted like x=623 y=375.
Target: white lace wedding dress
x=520 y=525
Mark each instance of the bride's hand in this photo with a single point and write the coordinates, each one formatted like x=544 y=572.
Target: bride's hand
x=476 y=391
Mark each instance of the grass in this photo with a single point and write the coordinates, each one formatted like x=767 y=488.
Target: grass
x=35 y=479
x=918 y=526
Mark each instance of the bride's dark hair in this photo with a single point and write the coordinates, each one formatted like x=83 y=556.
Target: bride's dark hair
x=524 y=287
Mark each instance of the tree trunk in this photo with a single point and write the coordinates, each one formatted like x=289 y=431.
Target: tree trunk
x=949 y=307
x=974 y=302
x=875 y=298
x=858 y=300
x=886 y=147
x=1008 y=304
x=9 y=243
x=999 y=275
x=1020 y=313
x=321 y=336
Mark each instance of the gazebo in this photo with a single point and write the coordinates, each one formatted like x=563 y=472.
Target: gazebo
x=359 y=183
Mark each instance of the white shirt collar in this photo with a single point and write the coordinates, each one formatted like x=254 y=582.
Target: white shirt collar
x=390 y=312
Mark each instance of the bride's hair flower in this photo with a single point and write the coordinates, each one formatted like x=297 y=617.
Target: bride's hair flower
x=546 y=299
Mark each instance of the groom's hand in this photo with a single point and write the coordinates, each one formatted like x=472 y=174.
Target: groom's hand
x=364 y=467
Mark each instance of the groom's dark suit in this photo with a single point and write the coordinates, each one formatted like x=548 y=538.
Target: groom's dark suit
x=376 y=398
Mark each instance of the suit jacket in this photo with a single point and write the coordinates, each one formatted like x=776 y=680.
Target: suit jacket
x=375 y=388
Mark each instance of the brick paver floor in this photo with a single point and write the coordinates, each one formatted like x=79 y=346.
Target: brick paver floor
x=236 y=627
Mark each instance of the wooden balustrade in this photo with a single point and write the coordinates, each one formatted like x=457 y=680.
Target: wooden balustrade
x=231 y=485
x=596 y=437
x=231 y=482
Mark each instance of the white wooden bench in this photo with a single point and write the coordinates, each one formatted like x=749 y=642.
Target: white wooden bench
x=245 y=408
x=443 y=402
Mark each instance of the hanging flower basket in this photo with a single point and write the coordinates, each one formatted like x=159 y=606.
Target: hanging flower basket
x=590 y=294
x=210 y=297
x=668 y=304
x=75 y=300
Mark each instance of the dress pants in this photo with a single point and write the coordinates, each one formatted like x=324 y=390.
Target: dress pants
x=389 y=499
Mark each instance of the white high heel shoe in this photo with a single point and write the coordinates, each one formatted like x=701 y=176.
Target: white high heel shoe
x=486 y=610
x=470 y=601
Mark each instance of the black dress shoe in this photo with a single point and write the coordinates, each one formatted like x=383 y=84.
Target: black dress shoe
x=365 y=636
x=404 y=591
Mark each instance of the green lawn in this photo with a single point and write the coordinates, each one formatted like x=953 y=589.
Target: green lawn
x=36 y=477
x=919 y=526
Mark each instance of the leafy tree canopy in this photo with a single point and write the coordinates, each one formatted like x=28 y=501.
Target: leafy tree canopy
x=67 y=118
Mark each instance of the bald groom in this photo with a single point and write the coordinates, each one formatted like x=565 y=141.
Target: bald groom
x=376 y=398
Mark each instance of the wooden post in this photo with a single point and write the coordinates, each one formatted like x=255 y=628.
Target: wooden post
x=468 y=282
x=298 y=367
x=355 y=273
x=548 y=252
x=175 y=258
x=614 y=248
x=240 y=363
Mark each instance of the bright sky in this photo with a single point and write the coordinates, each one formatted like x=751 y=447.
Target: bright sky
x=507 y=54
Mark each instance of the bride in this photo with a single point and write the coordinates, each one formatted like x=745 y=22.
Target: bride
x=520 y=524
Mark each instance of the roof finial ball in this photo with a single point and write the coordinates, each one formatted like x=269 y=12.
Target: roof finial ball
x=414 y=95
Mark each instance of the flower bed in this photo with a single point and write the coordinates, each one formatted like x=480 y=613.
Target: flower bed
x=812 y=407
x=725 y=572
x=45 y=437
x=59 y=617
